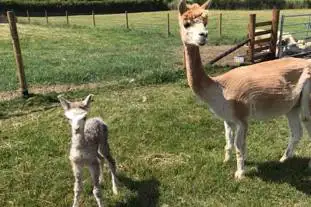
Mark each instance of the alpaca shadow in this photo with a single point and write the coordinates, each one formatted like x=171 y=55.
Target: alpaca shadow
x=24 y=106
x=294 y=171
x=147 y=192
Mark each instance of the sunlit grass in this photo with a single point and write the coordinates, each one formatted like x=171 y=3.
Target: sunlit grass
x=168 y=147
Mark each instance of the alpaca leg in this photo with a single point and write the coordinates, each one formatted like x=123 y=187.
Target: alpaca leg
x=307 y=123
x=101 y=167
x=104 y=151
x=229 y=140
x=240 y=146
x=296 y=133
x=95 y=173
x=305 y=100
x=77 y=172
x=112 y=168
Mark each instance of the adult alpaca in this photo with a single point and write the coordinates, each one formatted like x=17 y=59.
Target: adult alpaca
x=260 y=91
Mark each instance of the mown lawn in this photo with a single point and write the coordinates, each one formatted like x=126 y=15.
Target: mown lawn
x=168 y=147
x=57 y=55
x=79 y=53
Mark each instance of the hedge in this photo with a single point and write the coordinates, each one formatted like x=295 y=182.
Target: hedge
x=58 y=7
x=36 y=8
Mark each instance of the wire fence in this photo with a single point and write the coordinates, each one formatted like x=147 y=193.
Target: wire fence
x=162 y=22
x=231 y=26
x=221 y=23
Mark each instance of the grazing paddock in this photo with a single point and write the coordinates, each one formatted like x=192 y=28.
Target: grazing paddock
x=78 y=54
x=56 y=55
x=168 y=146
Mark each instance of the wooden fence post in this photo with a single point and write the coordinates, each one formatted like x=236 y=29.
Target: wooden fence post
x=46 y=16
x=93 y=14
x=220 y=24
x=251 y=36
x=127 y=20
x=17 y=54
x=168 y=25
x=67 y=17
x=274 y=29
x=28 y=17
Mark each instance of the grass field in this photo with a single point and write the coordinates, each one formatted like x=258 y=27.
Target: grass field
x=58 y=54
x=168 y=147
x=55 y=55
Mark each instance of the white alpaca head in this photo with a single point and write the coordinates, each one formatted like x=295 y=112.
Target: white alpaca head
x=76 y=112
x=193 y=23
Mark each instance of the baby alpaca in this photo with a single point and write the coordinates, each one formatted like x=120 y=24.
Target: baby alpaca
x=89 y=146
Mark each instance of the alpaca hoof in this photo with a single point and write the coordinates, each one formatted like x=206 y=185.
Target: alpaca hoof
x=305 y=118
x=226 y=160
x=115 y=185
x=227 y=156
x=239 y=175
x=114 y=191
x=283 y=159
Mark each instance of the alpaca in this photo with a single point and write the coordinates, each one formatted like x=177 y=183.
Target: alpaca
x=259 y=91
x=89 y=146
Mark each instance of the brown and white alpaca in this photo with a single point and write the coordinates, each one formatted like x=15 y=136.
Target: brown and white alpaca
x=260 y=91
x=89 y=146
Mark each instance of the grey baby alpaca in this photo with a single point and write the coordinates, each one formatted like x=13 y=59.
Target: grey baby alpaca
x=89 y=146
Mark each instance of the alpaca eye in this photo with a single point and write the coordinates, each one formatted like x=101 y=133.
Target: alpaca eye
x=187 y=24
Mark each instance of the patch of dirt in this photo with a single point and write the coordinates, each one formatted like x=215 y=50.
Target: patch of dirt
x=8 y=95
x=210 y=52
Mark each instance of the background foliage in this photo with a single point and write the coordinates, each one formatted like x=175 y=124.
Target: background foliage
x=116 y=6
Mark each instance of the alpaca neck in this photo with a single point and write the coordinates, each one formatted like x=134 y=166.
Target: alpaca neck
x=77 y=139
x=198 y=81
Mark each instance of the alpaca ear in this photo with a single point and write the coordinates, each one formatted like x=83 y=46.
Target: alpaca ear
x=86 y=102
x=182 y=6
x=64 y=103
x=206 y=5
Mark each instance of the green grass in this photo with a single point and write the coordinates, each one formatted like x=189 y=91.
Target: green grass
x=79 y=53
x=168 y=147
x=57 y=55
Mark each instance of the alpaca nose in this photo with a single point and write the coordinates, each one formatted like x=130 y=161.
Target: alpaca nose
x=203 y=34
x=76 y=128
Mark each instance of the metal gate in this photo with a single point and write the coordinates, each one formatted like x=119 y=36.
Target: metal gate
x=294 y=38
